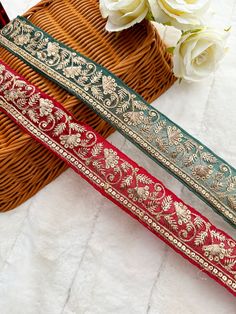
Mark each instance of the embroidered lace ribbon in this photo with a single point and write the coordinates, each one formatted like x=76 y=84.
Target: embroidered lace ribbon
x=119 y=179
x=207 y=175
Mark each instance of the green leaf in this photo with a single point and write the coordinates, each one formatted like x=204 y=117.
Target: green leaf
x=167 y=24
x=170 y=49
x=192 y=31
x=149 y=16
x=228 y=29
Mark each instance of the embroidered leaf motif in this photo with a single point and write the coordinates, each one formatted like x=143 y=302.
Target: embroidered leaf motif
x=167 y=202
x=162 y=144
x=83 y=151
x=96 y=91
x=16 y=32
x=33 y=99
x=122 y=93
x=219 y=176
x=84 y=74
x=200 y=238
x=231 y=184
x=63 y=64
x=217 y=235
x=230 y=263
x=65 y=54
x=216 y=185
x=146 y=120
x=144 y=179
x=125 y=166
x=201 y=171
x=49 y=118
x=19 y=83
x=171 y=222
x=79 y=60
x=42 y=44
x=122 y=107
x=84 y=142
x=59 y=129
x=198 y=222
x=209 y=158
x=174 y=135
x=8 y=76
x=232 y=201
x=116 y=169
x=72 y=72
x=59 y=114
x=139 y=105
x=77 y=127
x=233 y=179
x=97 y=148
x=145 y=128
x=133 y=117
x=190 y=160
x=189 y=145
x=152 y=206
x=126 y=181
x=33 y=116
x=26 y=27
x=160 y=125
x=96 y=77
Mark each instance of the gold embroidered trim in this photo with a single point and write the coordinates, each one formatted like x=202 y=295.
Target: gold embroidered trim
x=135 y=210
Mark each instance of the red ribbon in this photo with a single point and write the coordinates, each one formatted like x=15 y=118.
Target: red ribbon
x=119 y=178
x=3 y=17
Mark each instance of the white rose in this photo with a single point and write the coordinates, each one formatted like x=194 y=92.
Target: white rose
x=198 y=53
x=169 y=34
x=180 y=13
x=123 y=14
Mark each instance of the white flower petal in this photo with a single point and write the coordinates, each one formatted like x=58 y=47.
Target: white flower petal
x=200 y=47
x=198 y=54
x=169 y=34
x=123 y=14
x=180 y=13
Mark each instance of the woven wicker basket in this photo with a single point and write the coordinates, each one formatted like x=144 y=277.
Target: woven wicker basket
x=137 y=56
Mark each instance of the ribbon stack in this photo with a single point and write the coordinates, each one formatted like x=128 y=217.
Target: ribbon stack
x=107 y=169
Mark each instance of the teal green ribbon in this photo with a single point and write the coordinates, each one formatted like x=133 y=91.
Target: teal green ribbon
x=200 y=169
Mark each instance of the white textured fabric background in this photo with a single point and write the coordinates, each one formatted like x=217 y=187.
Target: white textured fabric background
x=70 y=251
